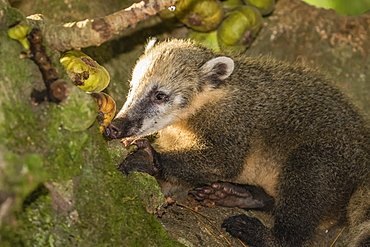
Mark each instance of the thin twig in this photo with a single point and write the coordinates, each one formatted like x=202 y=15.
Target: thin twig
x=209 y=220
x=337 y=237
x=241 y=242
x=209 y=229
x=205 y=216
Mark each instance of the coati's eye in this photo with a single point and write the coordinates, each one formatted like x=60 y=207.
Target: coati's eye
x=160 y=97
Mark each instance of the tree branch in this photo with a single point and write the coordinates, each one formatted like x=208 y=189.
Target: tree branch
x=93 y=32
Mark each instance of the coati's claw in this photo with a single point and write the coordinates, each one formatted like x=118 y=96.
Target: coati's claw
x=222 y=194
x=248 y=229
x=232 y=195
x=142 y=143
x=127 y=141
x=141 y=160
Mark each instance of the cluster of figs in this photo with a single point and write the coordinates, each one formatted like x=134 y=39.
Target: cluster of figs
x=84 y=72
x=92 y=78
x=228 y=25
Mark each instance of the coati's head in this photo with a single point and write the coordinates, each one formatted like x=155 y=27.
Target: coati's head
x=165 y=80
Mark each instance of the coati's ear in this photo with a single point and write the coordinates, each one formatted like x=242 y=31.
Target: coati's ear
x=218 y=69
x=151 y=43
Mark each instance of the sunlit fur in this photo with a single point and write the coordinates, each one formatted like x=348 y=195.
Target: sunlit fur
x=154 y=70
x=284 y=128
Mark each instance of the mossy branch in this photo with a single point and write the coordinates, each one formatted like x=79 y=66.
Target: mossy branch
x=93 y=32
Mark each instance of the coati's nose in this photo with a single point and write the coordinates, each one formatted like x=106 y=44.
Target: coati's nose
x=112 y=131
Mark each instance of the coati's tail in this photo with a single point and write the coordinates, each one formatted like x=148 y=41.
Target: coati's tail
x=359 y=217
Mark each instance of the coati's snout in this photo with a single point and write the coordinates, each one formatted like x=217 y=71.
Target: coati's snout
x=112 y=131
x=121 y=128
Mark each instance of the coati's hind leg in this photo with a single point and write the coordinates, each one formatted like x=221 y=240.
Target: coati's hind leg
x=359 y=217
x=303 y=199
x=235 y=195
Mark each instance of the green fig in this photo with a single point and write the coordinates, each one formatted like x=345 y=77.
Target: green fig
x=239 y=28
x=207 y=39
x=85 y=73
x=203 y=15
x=19 y=31
x=265 y=6
x=229 y=5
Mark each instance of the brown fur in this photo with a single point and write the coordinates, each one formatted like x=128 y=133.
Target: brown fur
x=284 y=128
x=178 y=136
x=260 y=170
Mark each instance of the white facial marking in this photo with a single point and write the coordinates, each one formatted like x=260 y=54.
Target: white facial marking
x=166 y=114
x=137 y=76
x=139 y=71
x=153 y=125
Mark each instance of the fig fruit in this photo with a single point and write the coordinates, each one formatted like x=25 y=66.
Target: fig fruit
x=207 y=39
x=265 y=6
x=106 y=109
x=85 y=73
x=203 y=15
x=229 y=5
x=239 y=28
x=19 y=31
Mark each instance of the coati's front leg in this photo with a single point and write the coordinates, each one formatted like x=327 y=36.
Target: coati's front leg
x=235 y=195
x=189 y=168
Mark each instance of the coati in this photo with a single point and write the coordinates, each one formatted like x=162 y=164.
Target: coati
x=252 y=133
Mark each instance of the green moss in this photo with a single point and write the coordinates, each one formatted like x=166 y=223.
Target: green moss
x=79 y=111
x=152 y=198
x=21 y=176
x=110 y=202
x=28 y=130
x=39 y=224
x=19 y=125
x=13 y=15
x=62 y=143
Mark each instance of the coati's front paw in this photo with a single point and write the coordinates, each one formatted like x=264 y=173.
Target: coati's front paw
x=231 y=195
x=141 y=160
x=248 y=229
x=140 y=143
